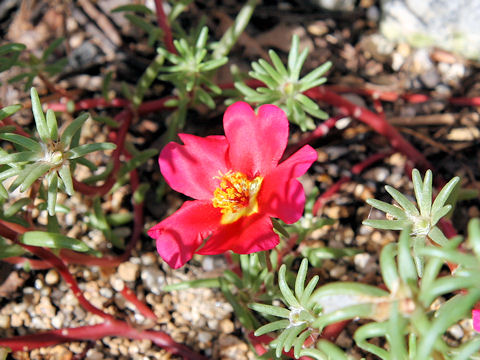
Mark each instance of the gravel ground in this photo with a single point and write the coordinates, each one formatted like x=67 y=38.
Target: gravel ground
x=202 y=318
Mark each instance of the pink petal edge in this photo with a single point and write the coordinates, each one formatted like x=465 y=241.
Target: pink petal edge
x=282 y=196
x=192 y=169
x=246 y=236
x=180 y=235
x=257 y=141
x=476 y=319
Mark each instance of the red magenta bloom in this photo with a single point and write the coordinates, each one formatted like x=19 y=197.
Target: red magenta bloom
x=476 y=319
x=238 y=185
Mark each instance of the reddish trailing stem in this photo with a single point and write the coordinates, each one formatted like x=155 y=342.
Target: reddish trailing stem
x=94 y=332
x=129 y=295
x=125 y=117
x=374 y=121
x=163 y=23
x=356 y=169
x=321 y=130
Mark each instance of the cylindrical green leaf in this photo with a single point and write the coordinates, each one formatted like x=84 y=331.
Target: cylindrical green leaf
x=451 y=312
x=369 y=331
x=438 y=236
x=3 y=192
x=406 y=265
x=53 y=240
x=426 y=203
x=362 y=311
x=66 y=177
x=16 y=207
x=198 y=283
x=39 y=116
x=468 y=349
x=331 y=349
x=317 y=73
x=388 y=266
x=85 y=149
x=402 y=201
x=270 y=310
x=299 y=342
x=24 y=141
x=52 y=192
x=24 y=156
x=10 y=250
x=9 y=111
x=300 y=280
x=437 y=215
x=387 y=208
x=307 y=292
x=38 y=171
x=396 y=329
x=286 y=292
x=387 y=224
x=278 y=63
x=444 y=194
x=72 y=128
x=274 y=326
x=52 y=125
x=294 y=332
x=474 y=235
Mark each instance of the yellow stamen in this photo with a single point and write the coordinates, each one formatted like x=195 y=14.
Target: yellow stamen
x=236 y=196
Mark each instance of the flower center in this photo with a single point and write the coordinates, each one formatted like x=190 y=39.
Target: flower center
x=236 y=196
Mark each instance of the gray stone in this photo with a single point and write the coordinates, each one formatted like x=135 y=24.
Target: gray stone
x=335 y=5
x=451 y=25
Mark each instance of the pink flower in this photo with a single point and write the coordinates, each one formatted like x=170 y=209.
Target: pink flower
x=476 y=319
x=238 y=185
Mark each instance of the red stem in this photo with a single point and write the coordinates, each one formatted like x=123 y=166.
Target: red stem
x=163 y=23
x=321 y=130
x=356 y=169
x=124 y=117
x=67 y=276
x=94 y=332
x=34 y=263
x=129 y=295
x=374 y=121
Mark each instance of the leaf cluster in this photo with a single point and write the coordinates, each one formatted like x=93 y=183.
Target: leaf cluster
x=51 y=155
x=190 y=69
x=422 y=220
x=31 y=66
x=285 y=88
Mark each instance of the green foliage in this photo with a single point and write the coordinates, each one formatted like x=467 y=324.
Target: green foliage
x=297 y=319
x=9 y=55
x=422 y=220
x=190 y=69
x=143 y=21
x=54 y=241
x=50 y=157
x=30 y=65
x=285 y=88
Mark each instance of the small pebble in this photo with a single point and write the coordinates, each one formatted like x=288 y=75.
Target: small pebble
x=128 y=271
x=338 y=271
x=52 y=277
x=106 y=292
x=226 y=326
x=361 y=261
x=117 y=283
x=456 y=331
x=4 y=321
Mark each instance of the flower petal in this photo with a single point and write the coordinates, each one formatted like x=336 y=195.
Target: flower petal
x=476 y=319
x=281 y=195
x=179 y=235
x=193 y=168
x=257 y=142
x=247 y=235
